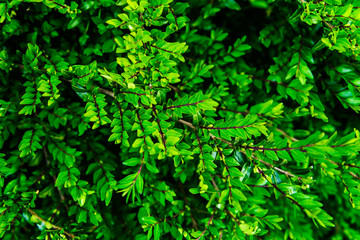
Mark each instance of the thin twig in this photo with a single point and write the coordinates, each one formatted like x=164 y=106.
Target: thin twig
x=232 y=146
x=214 y=184
x=237 y=221
x=261 y=172
x=46 y=155
x=173 y=88
x=107 y=92
x=190 y=125
x=354 y=175
x=276 y=168
x=287 y=135
x=195 y=224
x=72 y=236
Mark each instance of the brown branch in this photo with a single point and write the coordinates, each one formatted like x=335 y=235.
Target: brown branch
x=72 y=236
x=165 y=50
x=195 y=224
x=58 y=4
x=211 y=128
x=102 y=90
x=139 y=94
x=286 y=135
x=214 y=184
x=46 y=155
x=237 y=221
x=223 y=140
x=352 y=166
x=107 y=92
x=160 y=129
x=232 y=146
x=79 y=77
x=174 y=88
x=19 y=197
x=139 y=171
x=349 y=165
x=190 y=125
x=278 y=169
x=256 y=148
x=233 y=111
x=278 y=189
x=188 y=104
x=172 y=12
x=354 y=175
x=207 y=225
x=225 y=128
x=141 y=126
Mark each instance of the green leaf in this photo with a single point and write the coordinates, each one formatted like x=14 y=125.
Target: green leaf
x=310 y=204
x=152 y=168
x=232 y=4
x=238 y=195
x=138 y=142
x=235 y=172
x=62 y=177
x=74 y=23
x=116 y=23
x=298 y=156
x=139 y=184
x=132 y=162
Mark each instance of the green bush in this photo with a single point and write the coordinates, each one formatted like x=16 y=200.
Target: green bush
x=161 y=119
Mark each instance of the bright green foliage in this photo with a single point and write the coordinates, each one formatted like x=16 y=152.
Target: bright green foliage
x=162 y=119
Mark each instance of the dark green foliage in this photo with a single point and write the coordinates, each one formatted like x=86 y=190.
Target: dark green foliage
x=161 y=119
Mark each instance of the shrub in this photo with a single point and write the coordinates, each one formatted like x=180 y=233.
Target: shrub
x=161 y=119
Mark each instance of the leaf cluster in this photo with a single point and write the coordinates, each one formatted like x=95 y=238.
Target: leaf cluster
x=162 y=119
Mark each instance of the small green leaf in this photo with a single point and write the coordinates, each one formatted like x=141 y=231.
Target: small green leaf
x=116 y=23
x=152 y=168
x=237 y=194
x=132 y=162
x=74 y=23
